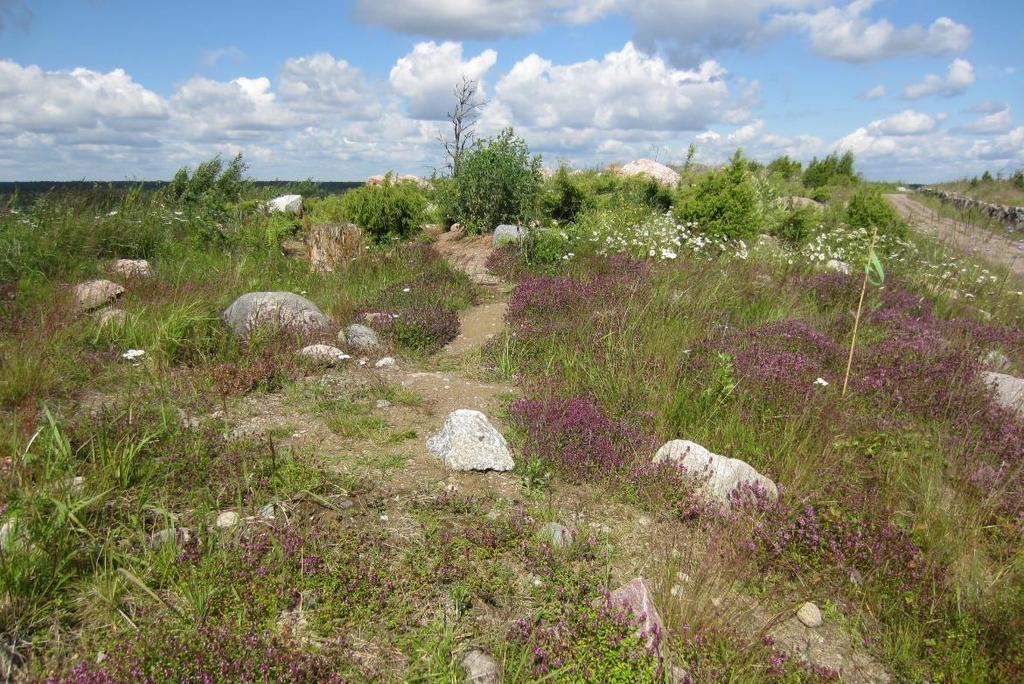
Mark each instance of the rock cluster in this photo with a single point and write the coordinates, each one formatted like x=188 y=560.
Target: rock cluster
x=649 y=167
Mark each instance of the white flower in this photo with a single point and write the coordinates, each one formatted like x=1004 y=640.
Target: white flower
x=821 y=381
x=133 y=354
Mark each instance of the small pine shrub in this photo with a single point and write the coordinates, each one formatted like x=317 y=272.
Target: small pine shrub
x=497 y=182
x=868 y=209
x=564 y=197
x=387 y=211
x=723 y=203
x=799 y=225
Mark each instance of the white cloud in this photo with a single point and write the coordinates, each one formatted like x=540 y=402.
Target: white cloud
x=321 y=81
x=428 y=75
x=907 y=122
x=875 y=93
x=240 y=108
x=997 y=122
x=845 y=33
x=959 y=77
x=624 y=90
x=477 y=18
x=36 y=100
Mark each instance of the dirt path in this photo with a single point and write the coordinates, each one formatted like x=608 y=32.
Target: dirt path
x=963 y=236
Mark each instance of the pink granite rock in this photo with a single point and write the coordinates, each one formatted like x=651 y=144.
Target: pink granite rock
x=635 y=598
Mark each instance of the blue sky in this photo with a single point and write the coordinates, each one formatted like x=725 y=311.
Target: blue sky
x=105 y=89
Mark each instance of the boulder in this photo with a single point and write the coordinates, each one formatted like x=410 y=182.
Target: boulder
x=285 y=309
x=93 y=294
x=227 y=519
x=288 y=204
x=324 y=354
x=794 y=202
x=636 y=600
x=1009 y=391
x=132 y=268
x=559 y=536
x=468 y=441
x=359 y=336
x=723 y=474
x=508 y=233
x=480 y=667
x=649 y=167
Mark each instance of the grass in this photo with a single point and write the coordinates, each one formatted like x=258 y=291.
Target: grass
x=1008 y=191
x=899 y=510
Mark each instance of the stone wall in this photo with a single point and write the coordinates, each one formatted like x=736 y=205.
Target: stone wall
x=1010 y=216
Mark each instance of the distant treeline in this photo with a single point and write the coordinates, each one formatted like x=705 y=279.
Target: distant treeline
x=27 y=190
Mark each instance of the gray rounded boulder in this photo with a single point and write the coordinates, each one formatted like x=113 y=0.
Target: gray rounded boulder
x=282 y=309
x=359 y=336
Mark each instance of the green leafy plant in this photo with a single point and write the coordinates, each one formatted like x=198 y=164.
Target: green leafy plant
x=868 y=210
x=387 y=211
x=722 y=203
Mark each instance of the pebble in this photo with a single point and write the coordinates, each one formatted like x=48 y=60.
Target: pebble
x=227 y=519
x=809 y=615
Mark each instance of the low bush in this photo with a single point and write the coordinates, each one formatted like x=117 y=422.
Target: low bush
x=564 y=197
x=798 y=226
x=723 y=203
x=387 y=211
x=867 y=210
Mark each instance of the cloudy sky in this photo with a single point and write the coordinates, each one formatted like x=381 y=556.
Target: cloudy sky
x=920 y=90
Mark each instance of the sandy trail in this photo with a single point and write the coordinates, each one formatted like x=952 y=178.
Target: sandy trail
x=963 y=236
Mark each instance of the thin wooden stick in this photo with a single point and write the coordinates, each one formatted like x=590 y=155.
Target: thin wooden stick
x=856 y=320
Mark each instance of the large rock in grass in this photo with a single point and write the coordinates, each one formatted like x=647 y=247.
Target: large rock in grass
x=727 y=479
x=288 y=204
x=1009 y=391
x=282 y=309
x=359 y=337
x=481 y=667
x=637 y=601
x=649 y=167
x=96 y=293
x=507 y=232
x=468 y=441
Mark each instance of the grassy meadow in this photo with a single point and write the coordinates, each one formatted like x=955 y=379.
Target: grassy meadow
x=714 y=310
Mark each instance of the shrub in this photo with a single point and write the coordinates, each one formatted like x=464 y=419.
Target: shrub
x=723 y=202
x=785 y=167
x=386 y=211
x=565 y=197
x=497 y=182
x=798 y=225
x=868 y=209
x=212 y=185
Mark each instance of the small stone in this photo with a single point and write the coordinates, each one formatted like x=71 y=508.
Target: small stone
x=481 y=667
x=324 y=354
x=468 y=441
x=386 y=362
x=559 y=536
x=132 y=268
x=227 y=519
x=93 y=294
x=809 y=615
x=180 y=535
x=359 y=336
x=840 y=266
x=383 y=404
x=268 y=511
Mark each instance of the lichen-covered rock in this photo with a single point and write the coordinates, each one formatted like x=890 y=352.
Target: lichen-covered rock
x=132 y=268
x=284 y=309
x=507 y=232
x=227 y=519
x=93 y=294
x=809 y=614
x=324 y=354
x=723 y=474
x=359 y=336
x=468 y=441
x=649 y=167
x=1009 y=391
x=288 y=204
x=558 y=535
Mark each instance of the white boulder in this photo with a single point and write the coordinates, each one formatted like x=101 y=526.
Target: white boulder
x=132 y=268
x=1009 y=391
x=468 y=441
x=289 y=204
x=723 y=474
x=649 y=167
x=285 y=309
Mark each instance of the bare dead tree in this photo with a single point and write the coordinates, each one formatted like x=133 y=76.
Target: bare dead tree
x=463 y=120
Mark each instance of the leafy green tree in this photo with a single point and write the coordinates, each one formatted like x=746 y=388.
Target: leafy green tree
x=833 y=169
x=785 y=167
x=497 y=181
